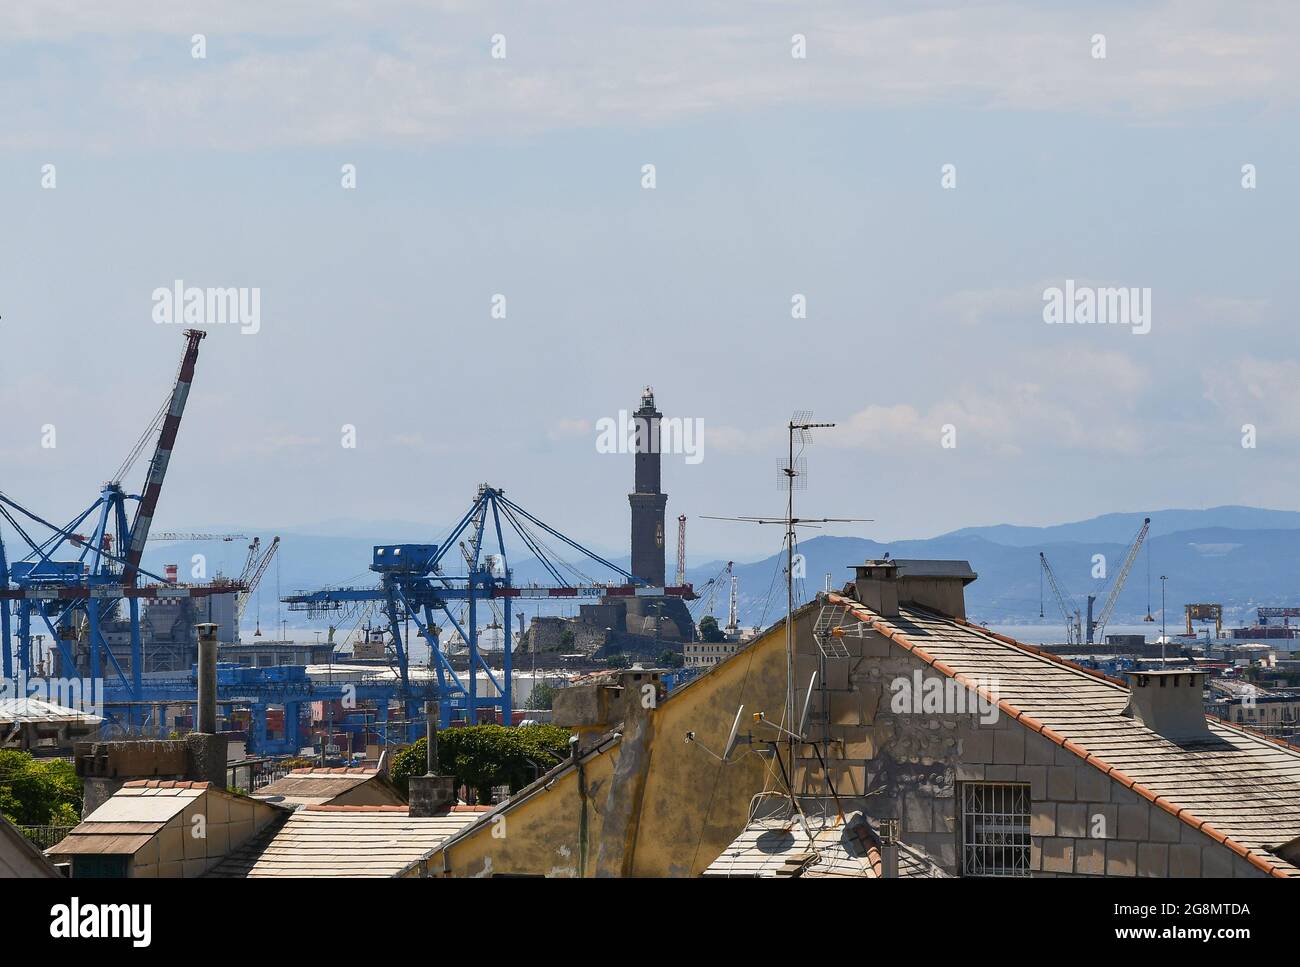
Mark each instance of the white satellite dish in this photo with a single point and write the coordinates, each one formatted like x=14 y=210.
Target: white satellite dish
x=807 y=703
x=731 y=739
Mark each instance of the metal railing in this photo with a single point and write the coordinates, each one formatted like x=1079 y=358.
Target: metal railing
x=43 y=837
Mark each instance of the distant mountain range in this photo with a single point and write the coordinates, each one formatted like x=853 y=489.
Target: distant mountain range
x=1241 y=557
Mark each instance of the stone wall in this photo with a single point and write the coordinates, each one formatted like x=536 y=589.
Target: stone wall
x=913 y=764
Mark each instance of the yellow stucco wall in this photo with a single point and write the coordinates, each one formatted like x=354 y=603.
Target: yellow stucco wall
x=186 y=847
x=693 y=805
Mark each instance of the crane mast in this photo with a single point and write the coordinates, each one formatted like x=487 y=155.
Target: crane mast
x=161 y=457
x=681 y=550
x=1113 y=598
x=255 y=578
x=1072 y=623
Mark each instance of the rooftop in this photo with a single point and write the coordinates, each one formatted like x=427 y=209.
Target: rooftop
x=1237 y=787
x=313 y=786
x=345 y=841
x=38 y=710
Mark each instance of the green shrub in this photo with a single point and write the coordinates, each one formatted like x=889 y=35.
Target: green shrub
x=483 y=756
x=38 y=792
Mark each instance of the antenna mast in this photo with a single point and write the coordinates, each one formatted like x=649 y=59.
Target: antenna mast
x=801 y=423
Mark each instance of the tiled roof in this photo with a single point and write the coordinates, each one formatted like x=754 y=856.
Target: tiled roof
x=133 y=815
x=778 y=848
x=1239 y=788
x=348 y=841
x=39 y=710
x=309 y=787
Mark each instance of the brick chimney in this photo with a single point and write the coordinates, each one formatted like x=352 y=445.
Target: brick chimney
x=1170 y=703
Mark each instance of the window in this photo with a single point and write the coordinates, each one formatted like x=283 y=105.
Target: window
x=99 y=865
x=994 y=829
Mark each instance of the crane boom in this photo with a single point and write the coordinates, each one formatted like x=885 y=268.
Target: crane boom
x=242 y=601
x=186 y=536
x=1113 y=598
x=161 y=457
x=250 y=562
x=1071 y=619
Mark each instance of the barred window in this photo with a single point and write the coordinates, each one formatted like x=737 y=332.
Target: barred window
x=994 y=829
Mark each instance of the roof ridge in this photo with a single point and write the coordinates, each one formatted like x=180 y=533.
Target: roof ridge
x=1051 y=656
x=883 y=626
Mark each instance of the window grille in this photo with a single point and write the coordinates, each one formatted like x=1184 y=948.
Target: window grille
x=995 y=829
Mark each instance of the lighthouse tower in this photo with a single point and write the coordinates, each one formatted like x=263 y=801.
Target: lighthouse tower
x=647 y=500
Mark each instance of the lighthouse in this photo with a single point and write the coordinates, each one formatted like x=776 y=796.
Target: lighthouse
x=647 y=500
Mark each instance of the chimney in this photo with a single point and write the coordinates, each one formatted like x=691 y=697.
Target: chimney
x=877 y=588
x=938 y=586
x=430 y=794
x=206 y=717
x=170 y=573
x=207 y=748
x=1170 y=703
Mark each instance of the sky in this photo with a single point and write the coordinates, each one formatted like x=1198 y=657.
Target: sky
x=918 y=179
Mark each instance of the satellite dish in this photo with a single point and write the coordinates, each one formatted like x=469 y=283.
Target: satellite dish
x=731 y=739
x=807 y=703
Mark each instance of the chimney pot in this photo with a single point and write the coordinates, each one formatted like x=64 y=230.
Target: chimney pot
x=1170 y=703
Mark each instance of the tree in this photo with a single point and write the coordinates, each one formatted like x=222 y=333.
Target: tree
x=542 y=696
x=671 y=659
x=483 y=756
x=709 y=630
x=38 y=792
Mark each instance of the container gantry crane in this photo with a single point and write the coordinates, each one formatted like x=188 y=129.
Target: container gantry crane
x=71 y=583
x=413 y=585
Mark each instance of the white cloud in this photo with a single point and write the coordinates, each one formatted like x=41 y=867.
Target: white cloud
x=570 y=429
x=405 y=72
x=1263 y=392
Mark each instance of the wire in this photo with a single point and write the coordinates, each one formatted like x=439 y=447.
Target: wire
x=154 y=425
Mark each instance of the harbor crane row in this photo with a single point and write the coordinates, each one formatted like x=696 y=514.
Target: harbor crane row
x=1077 y=631
x=414 y=585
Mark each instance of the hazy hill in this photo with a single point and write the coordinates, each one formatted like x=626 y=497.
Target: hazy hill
x=1239 y=556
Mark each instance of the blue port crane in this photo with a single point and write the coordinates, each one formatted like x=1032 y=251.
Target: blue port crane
x=72 y=577
x=414 y=584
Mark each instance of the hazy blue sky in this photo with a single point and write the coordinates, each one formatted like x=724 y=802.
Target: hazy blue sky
x=775 y=176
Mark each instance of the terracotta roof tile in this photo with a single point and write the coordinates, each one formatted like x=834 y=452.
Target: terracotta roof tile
x=1262 y=810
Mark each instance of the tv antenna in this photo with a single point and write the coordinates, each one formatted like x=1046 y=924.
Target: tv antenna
x=799 y=429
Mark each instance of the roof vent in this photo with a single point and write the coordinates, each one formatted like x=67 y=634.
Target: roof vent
x=1170 y=703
